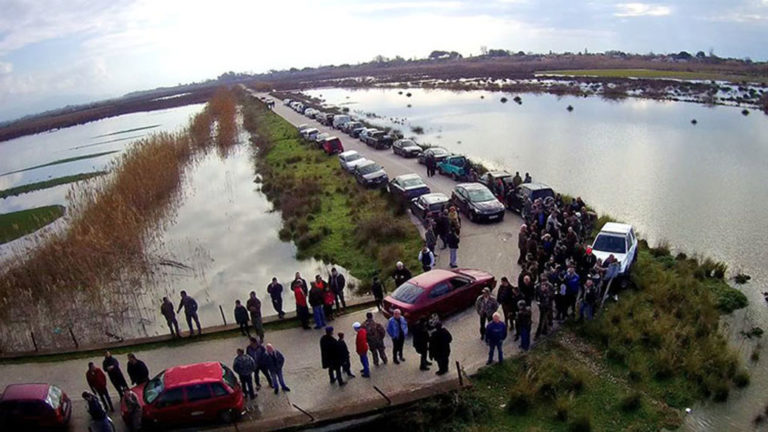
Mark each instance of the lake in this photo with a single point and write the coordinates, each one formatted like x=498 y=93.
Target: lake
x=699 y=187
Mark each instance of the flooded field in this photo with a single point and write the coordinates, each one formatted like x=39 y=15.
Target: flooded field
x=699 y=187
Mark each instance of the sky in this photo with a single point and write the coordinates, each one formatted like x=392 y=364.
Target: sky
x=59 y=52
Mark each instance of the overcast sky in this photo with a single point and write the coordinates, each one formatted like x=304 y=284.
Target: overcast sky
x=56 y=52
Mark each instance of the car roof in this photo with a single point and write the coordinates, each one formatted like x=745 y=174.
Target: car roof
x=194 y=373
x=470 y=186
x=435 y=197
x=408 y=176
x=499 y=173
x=535 y=186
x=615 y=227
x=365 y=162
x=38 y=391
x=331 y=138
x=428 y=279
x=437 y=148
x=348 y=153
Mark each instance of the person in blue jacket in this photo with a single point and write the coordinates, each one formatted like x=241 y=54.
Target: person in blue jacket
x=397 y=329
x=495 y=333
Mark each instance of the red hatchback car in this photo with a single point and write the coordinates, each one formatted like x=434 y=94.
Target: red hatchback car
x=189 y=393
x=34 y=407
x=440 y=292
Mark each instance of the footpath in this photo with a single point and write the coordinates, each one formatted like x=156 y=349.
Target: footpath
x=491 y=247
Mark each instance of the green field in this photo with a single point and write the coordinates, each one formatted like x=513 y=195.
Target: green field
x=62 y=161
x=20 y=223
x=653 y=73
x=30 y=187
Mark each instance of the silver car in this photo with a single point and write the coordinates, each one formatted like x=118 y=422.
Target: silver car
x=350 y=159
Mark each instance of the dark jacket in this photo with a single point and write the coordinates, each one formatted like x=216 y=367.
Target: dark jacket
x=254 y=306
x=420 y=338
x=257 y=354
x=316 y=296
x=96 y=380
x=329 y=352
x=241 y=314
x=341 y=345
x=504 y=295
x=274 y=362
x=495 y=332
x=244 y=365
x=401 y=275
x=189 y=304
x=302 y=283
x=337 y=283
x=524 y=318
x=440 y=343
x=442 y=225
x=167 y=310
x=115 y=373
x=452 y=240
x=377 y=290
x=275 y=291
x=138 y=372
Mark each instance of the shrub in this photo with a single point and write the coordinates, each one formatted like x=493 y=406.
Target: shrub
x=741 y=379
x=741 y=278
x=581 y=423
x=519 y=402
x=562 y=406
x=631 y=402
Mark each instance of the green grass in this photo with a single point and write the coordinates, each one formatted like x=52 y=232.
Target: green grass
x=62 y=161
x=653 y=73
x=325 y=212
x=20 y=223
x=30 y=187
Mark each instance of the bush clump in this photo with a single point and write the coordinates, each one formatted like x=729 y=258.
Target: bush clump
x=581 y=423
x=631 y=402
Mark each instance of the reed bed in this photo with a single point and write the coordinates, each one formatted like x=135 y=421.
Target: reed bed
x=101 y=258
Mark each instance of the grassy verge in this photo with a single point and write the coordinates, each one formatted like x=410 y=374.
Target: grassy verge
x=20 y=223
x=324 y=211
x=31 y=187
x=62 y=161
x=652 y=73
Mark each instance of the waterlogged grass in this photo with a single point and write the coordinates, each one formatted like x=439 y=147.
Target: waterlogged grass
x=20 y=223
x=62 y=161
x=324 y=211
x=652 y=73
x=124 y=131
x=31 y=187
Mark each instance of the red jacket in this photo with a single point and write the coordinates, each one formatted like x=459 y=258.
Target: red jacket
x=96 y=379
x=301 y=299
x=361 y=342
x=329 y=297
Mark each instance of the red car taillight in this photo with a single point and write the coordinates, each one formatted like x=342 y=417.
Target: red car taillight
x=589 y=249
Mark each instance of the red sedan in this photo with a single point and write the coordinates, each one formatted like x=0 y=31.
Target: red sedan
x=189 y=394
x=438 y=291
x=34 y=407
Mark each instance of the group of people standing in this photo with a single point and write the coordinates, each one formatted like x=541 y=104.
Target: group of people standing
x=138 y=373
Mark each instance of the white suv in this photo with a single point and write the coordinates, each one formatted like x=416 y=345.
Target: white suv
x=619 y=240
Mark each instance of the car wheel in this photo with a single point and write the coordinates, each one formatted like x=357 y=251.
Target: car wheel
x=227 y=416
x=471 y=215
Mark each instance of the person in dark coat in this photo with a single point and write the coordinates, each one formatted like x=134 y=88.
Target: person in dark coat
x=377 y=289
x=336 y=282
x=256 y=350
x=254 y=308
x=190 y=312
x=505 y=298
x=274 y=361
x=524 y=324
x=166 y=309
x=299 y=281
x=522 y=243
x=344 y=354
x=452 y=240
x=241 y=318
x=244 y=366
x=495 y=333
x=137 y=370
x=97 y=381
x=527 y=288
x=421 y=343
x=440 y=348
x=275 y=291
x=431 y=164
x=112 y=366
x=397 y=328
x=401 y=274
x=331 y=356
x=443 y=226
x=317 y=301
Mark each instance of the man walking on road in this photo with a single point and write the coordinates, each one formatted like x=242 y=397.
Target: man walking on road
x=440 y=348
x=486 y=306
x=337 y=283
x=426 y=258
x=495 y=333
x=190 y=312
x=452 y=240
x=275 y=361
x=244 y=366
x=398 y=330
x=254 y=307
x=257 y=351
x=275 y=291
x=112 y=366
x=330 y=354
x=137 y=370
x=375 y=333
x=401 y=274
x=166 y=309
x=97 y=381
x=421 y=343
x=361 y=346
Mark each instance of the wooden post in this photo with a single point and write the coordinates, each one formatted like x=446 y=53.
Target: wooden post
x=77 y=345
x=34 y=342
x=222 y=315
x=458 y=369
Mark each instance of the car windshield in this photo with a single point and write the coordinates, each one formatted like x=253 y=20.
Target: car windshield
x=54 y=397
x=407 y=143
x=610 y=243
x=542 y=193
x=480 y=195
x=367 y=169
x=154 y=387
x=407 y=293
x=439 y=151
x=228 y=376
x=413 y=182
x=437 y=206
x=353 y=157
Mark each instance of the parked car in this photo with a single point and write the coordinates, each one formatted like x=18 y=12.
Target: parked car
x=355 y=133
x=371 y=174
x=406 y=148
x=310 y=112
x=440 y=292
x=619 y=240
x=351 y=125
x=438 y=153
x=365 y=132
x=302 y=127
x=332 y=145
x=320 y=138
x=407 y=186
x=491 y=180
x=350 y=159
x=429 y=206
x=321 y=118
x=477 y=202
x=34 y=407
x=456 y=167
x=310 y=133
x=189 y=394
x=378 y=139
x=339 y=120
x=287 y=102
x=520 y=200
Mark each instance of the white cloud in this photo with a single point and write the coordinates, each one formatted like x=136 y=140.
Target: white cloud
x=5 y=68
x=641 y=9
x=436 y=5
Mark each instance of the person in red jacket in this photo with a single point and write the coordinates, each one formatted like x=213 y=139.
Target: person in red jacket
x=361 y=345
x=302 y=311
x=98 y=383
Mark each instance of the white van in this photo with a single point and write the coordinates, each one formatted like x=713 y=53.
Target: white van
x=339 y=120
